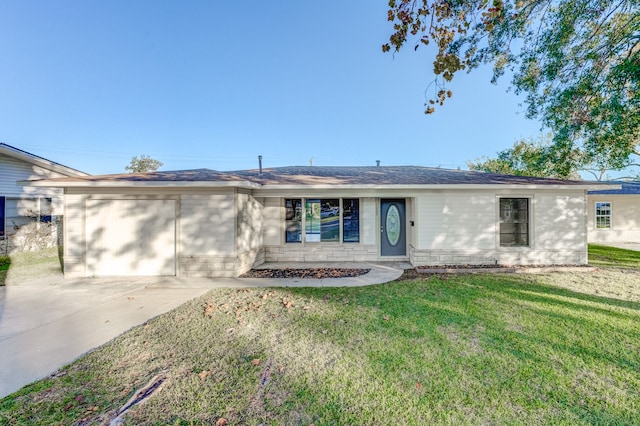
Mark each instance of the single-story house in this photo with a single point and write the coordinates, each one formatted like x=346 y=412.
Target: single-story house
x=614 y=214
x=212 y=223
x=19 y=203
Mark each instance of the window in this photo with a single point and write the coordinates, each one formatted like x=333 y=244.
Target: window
x=2 y=214
x=514 y=222
x=603 y=215
x=293 y=225
x=324 y=220
x=351 y=220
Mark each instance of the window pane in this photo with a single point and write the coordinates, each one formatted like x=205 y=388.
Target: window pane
x=293 y=224
x=330 y=220
x=312 y=221
x=514 y=221
x=351 y=220
x=603 y=215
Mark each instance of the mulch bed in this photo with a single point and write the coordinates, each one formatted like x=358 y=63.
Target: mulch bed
x=316 y=273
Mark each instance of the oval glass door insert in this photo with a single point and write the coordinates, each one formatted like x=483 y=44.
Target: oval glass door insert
x=393 y=225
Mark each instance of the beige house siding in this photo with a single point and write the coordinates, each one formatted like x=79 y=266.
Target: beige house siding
x=22 y=201
x=224 y=232
x=74 y=253
x=455 y=220
x=273 y=221
x=625 y=219
x=463 y=228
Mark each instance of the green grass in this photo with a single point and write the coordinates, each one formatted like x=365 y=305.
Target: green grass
x=30 y=265
x=5 y=262
x=475 y=349
x=612 y=256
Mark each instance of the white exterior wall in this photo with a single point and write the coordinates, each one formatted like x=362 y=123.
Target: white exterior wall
x=13 y=170
x=75 y=244
x=225 y=232
x=463 y=228
x=273 y=221
x=625 y=219
x=207 y=225
x=369 y=222
x=22 y=202
x=209 y=228
x=250 y=240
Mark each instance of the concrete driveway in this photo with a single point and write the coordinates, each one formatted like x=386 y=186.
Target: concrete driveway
x=48 y=323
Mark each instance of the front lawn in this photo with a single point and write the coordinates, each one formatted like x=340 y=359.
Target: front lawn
x=478 y=349
x=29 y=265
x=613 y=256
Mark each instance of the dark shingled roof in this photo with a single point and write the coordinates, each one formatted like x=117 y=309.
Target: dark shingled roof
x=628 y=188
x=318 y=175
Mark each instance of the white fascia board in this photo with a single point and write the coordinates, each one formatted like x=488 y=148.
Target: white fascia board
x=137 y=184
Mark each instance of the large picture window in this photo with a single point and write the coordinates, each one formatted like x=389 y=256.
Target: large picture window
x=603 y=215
x=323 y=220
x=514 y=222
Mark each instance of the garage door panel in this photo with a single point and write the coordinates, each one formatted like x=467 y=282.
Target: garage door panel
x=131 y=237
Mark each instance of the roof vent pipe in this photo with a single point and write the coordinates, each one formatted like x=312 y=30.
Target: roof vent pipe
x=377 y=163
x=260 y=163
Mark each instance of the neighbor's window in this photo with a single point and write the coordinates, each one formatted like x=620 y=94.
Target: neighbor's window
x=514 y=222
x=2 y=216
x=603 y=215
x=293 y=217
x=351 y=220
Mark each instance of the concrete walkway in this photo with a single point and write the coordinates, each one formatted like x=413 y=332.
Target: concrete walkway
x=48 y=323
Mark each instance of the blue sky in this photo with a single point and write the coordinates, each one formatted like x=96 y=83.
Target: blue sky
x=215 y=84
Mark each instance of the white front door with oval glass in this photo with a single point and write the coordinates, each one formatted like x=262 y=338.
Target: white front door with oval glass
x=393 y=233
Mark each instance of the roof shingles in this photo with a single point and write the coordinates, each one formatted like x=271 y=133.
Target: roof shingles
x=337 y=175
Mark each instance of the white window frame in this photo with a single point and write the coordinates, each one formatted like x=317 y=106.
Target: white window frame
x=596 y=216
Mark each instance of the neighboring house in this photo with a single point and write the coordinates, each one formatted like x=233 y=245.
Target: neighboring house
x=209 y=223
x=614 y=214
x=17 y=203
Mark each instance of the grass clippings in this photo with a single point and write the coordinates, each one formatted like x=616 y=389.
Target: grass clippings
x=472 y=349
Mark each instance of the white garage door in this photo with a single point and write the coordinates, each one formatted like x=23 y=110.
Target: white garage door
x=131 y=237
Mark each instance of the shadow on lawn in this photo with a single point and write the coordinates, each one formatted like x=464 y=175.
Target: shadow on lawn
x=562 y=328
x=564 y=336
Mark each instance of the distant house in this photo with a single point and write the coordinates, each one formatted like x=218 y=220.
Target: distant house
x=210 y=223
x=614 y=214
x=19 y=204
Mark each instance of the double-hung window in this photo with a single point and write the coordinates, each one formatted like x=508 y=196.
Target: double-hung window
x=322 y=220
x=603 y=215
x=514 y=222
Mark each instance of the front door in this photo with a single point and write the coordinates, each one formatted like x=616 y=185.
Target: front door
x=393 y=233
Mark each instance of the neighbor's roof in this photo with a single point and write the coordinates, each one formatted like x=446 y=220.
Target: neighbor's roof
x=12 y=151
x=628 y=188
x=313 y=176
